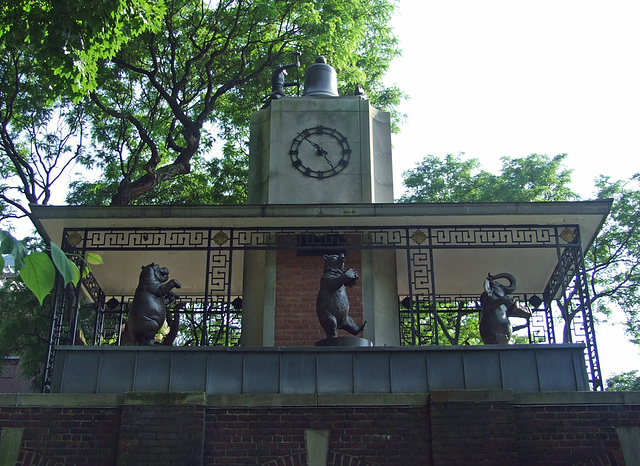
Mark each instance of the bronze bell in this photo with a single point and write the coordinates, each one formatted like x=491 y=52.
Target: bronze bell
x=320 y=79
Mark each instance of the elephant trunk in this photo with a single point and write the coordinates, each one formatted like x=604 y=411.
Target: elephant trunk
x=513 y=283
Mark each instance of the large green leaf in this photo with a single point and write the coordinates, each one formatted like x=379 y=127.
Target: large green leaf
x=38 y=274
x=66 y=268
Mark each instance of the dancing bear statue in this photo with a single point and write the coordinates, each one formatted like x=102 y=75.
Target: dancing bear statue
x=332 y=303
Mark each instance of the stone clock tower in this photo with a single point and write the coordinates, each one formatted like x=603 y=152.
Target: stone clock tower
x=320 y=148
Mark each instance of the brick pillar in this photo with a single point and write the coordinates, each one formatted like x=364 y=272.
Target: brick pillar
x=473 y=427
x=297 y=284
x=162 y=429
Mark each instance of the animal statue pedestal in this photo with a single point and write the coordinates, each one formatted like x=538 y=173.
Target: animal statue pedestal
x=352 y=342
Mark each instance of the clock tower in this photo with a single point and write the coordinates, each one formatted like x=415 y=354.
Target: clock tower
x=317 y=149
x=320 y=148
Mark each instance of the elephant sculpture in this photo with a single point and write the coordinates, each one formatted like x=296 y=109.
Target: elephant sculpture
x=497 y=307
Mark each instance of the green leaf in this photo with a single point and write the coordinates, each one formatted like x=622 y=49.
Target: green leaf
x=76 y=273
x=6 y=242
x=94 y=259
x=62 y=263
x=38 y=274
x=10 y=245
x=1 y=262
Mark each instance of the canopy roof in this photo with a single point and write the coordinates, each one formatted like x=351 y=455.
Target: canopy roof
x=459 y=270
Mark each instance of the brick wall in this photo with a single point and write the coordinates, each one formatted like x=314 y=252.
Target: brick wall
x=162 y=429
x=297 y=284
x=10 y=379
x=562 y=434
x=442 y=428
x=468 y=430
x=358 y=435
x=67 y=436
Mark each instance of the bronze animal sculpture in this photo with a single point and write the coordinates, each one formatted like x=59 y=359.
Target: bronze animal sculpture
x=497 y=307
x=278 y=81
x=332 y=303
x=149 y=307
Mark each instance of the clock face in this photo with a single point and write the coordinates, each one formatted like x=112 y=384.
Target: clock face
x=320 y=152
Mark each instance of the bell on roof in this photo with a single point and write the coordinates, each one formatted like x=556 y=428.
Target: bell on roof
x=320 y=79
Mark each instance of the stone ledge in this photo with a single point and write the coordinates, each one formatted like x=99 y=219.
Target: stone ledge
x=349 y=399
x=577 y=398
x=55 y=400
x=165 y=399
x=66 y=400
x=471 y=396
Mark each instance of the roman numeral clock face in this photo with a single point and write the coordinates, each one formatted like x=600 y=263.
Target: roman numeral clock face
x=320 y=152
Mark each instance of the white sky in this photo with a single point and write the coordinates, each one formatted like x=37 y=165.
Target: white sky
x=493 y=78
x=496 y=78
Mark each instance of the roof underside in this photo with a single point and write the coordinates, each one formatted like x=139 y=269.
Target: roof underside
x=457 y=270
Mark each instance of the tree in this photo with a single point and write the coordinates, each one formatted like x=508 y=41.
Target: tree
x=195 y=71
x=67 y=39
x=626 y=381
x=24 y=330
x=528 y=179
x=612 y=263
x=210 y=64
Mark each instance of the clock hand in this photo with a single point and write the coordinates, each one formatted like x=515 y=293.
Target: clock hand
x=324 y=154
x=317 y=147
x=320 y=151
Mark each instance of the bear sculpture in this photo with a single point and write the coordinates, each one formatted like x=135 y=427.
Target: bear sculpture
x=332 y=303
x=149 y=307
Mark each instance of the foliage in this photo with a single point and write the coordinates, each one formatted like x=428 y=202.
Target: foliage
x=147 y=112
x=211 y=182
x=531 y=178
x=160 y=100
x=24 y=329
x=67 y=39
x=40 y=136
x=613 y=261
x=455 y=323
x=38 y=269
x=626 y=381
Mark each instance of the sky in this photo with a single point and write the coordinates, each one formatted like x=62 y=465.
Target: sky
x=510 y=78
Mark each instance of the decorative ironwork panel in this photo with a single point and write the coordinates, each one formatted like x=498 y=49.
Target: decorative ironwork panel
x=487 y=236
x=384 y=238
x=420 y=268
x=252 y=239
x=219 y=273
x=136 y=239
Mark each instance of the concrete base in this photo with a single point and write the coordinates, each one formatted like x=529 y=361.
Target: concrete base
x=345 y=341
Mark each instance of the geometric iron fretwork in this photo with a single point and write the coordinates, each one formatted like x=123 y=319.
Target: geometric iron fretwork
x=426 y=316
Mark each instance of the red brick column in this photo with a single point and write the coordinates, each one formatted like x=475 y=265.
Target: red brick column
x=297 y=284
x=162 y=429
